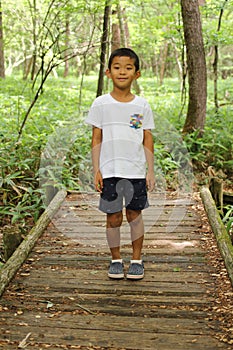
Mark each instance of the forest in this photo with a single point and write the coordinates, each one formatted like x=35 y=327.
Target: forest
x=53 y=55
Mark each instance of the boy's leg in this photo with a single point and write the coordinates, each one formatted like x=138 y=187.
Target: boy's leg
x=136 y=267
x=134 y=218
x=114 y=222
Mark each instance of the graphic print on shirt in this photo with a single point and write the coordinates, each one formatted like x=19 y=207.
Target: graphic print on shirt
x=136 y=121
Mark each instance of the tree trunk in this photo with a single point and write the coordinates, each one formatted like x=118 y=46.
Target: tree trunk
x=34 y=55
x=116 y=35
x=27 y=64
x=121 y=25
x=126 y=29
x=215 y=63
x=66 y=70
x=163 y=61
x=197 y=77
x=123 y=39
x=104 y=39
x=2 y=61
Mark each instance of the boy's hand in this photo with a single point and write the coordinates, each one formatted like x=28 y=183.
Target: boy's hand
x=98 y=181
x=150 y=181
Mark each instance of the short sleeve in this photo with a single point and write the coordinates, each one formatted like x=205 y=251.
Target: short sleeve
x=94 y=116
x=148 y=122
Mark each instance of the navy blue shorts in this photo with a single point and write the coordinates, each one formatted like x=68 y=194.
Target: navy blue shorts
x=115 y=189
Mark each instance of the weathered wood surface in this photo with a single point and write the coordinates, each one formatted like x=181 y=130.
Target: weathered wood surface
x=61 y=298
x=222 y=237
x=21 y=253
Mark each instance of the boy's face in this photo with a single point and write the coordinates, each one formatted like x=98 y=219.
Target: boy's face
x=122 y=72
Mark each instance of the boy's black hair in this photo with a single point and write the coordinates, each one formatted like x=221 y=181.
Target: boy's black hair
x=124 y=52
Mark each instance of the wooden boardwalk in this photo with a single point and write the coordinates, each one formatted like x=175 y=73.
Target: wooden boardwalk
x=61 y=298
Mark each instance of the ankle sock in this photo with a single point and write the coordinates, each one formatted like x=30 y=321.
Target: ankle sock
x=117 y=260
x=136 y=262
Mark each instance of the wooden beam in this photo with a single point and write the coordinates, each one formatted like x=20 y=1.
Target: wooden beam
x=12 y=265
x=223 y=238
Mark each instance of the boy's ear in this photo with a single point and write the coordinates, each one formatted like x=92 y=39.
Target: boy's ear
x=108 y=73
x=137 y=74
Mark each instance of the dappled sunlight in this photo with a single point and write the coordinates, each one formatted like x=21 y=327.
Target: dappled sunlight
x=171 y=244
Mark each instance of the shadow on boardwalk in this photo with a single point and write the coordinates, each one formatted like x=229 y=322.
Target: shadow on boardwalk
x=62 y=298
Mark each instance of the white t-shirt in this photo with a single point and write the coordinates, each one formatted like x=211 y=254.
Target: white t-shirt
x=122 y=123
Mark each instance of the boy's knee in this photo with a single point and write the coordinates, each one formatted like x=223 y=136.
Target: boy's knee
x=132 y=215
x=114 y=219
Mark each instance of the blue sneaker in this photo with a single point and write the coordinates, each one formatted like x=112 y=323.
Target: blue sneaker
x=136 y=271
x=116 y=270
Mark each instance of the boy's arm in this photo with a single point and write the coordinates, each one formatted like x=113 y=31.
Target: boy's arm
x=96 y=146
x=149 y=153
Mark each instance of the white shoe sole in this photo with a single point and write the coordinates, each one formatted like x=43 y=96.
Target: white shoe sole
x=134 y=277
x=116 y=277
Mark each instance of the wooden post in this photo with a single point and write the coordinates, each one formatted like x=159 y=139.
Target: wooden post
x=12 y=265
x=227 y=197
x=223 y=239
x=12 y=237
x=216 y=189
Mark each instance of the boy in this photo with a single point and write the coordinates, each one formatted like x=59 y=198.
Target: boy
x=122 y=145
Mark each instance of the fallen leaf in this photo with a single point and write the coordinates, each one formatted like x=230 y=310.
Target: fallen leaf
x=176 y=269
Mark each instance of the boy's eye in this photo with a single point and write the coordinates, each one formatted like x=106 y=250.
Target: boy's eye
x=128 y=68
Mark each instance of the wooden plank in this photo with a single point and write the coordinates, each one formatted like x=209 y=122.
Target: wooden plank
x=109 y=322
x=120 y=311
x=98 y=273
x=117 y=339
x=165 y=288
x=160 y=201
x=155 y=211
x=148 y=214
x=160 y=232
x=191 y=262
x=126 y=249
x=103 y=303
x=159 y=229
x=174 y=264
x=62 y=255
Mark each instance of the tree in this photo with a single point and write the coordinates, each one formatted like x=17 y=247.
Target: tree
x=197 y=77
x=2 y=63
x=216 y=56
x=104 y=39
x=67 y=44
x=33 y=9
x=51 y=54
x=120 y=29
x=123 y=38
